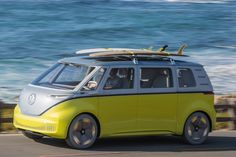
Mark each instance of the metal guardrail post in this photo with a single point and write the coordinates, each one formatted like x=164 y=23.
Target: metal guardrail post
x=227 y=105
x=0 y=117
x=4 y=119
x=234 y=114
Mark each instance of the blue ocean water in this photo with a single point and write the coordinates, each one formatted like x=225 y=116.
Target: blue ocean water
x=36 y=33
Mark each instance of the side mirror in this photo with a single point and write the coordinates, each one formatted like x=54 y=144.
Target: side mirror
x=92 y=84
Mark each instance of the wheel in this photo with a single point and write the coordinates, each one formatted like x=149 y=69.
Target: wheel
x=196 y=128
x=32 y=135
x=82 y=132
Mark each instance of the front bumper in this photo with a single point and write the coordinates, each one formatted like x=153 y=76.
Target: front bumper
x=49 y=124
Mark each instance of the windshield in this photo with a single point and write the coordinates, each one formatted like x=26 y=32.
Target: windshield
x=63 y=76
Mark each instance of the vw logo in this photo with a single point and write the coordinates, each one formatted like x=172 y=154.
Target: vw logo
x=31 y=99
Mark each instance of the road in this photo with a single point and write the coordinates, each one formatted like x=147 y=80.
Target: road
x=219 y=144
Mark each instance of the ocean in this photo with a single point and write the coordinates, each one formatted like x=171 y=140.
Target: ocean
x=34 y=34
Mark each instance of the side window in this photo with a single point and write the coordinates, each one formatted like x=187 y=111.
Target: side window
x=156 y=78
x=186 y=78
x=120 y=78
x=93 y=83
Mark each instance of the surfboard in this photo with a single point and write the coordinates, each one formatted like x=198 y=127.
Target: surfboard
x=134 y=52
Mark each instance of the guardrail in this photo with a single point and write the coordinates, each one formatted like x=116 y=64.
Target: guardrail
x=220 y=108
x=231 y=110
x=4 y=107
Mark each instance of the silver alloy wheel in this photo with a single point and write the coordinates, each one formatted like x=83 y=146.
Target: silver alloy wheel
x=196 y=128
x=83 y=132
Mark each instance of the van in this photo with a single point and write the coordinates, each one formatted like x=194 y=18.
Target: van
x=118 y=92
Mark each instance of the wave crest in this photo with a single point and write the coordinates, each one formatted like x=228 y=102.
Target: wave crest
x=184 y=1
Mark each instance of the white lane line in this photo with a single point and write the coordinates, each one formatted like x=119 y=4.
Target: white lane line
x=223 y=130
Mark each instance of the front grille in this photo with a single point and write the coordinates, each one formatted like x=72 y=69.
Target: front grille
x=41 y=127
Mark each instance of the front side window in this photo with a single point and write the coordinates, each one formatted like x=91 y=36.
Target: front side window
x=93 y=83
x=64 y=76
x=186 y=78
x=120 y=78
x=156 y=78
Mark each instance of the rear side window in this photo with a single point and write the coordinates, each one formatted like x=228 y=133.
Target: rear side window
x=186 y=78
x=156 y=78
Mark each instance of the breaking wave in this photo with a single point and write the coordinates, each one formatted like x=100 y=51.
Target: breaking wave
x=184 y=1
x=220 y=67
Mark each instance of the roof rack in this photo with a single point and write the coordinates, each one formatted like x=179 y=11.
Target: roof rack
x=134 y=58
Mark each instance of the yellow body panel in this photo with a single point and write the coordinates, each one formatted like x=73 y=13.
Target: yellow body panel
x=157 y=112
x=60 y=116
x=118 y=114
x=143 y=114
x=189 y=103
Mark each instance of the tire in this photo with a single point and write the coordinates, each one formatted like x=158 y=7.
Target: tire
x=83 y=132
x=197 y=128
x=32 y=135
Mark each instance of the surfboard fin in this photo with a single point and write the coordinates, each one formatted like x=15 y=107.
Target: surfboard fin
x=180 y=50
x=162 y=49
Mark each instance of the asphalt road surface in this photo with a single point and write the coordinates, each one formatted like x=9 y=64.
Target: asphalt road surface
x=219 y=144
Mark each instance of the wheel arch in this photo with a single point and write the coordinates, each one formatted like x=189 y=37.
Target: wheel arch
x=202 y=111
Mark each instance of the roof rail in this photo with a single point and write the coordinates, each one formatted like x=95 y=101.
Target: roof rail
x=136 y=58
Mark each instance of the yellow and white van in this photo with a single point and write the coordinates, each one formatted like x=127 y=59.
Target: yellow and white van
x=117 y=92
